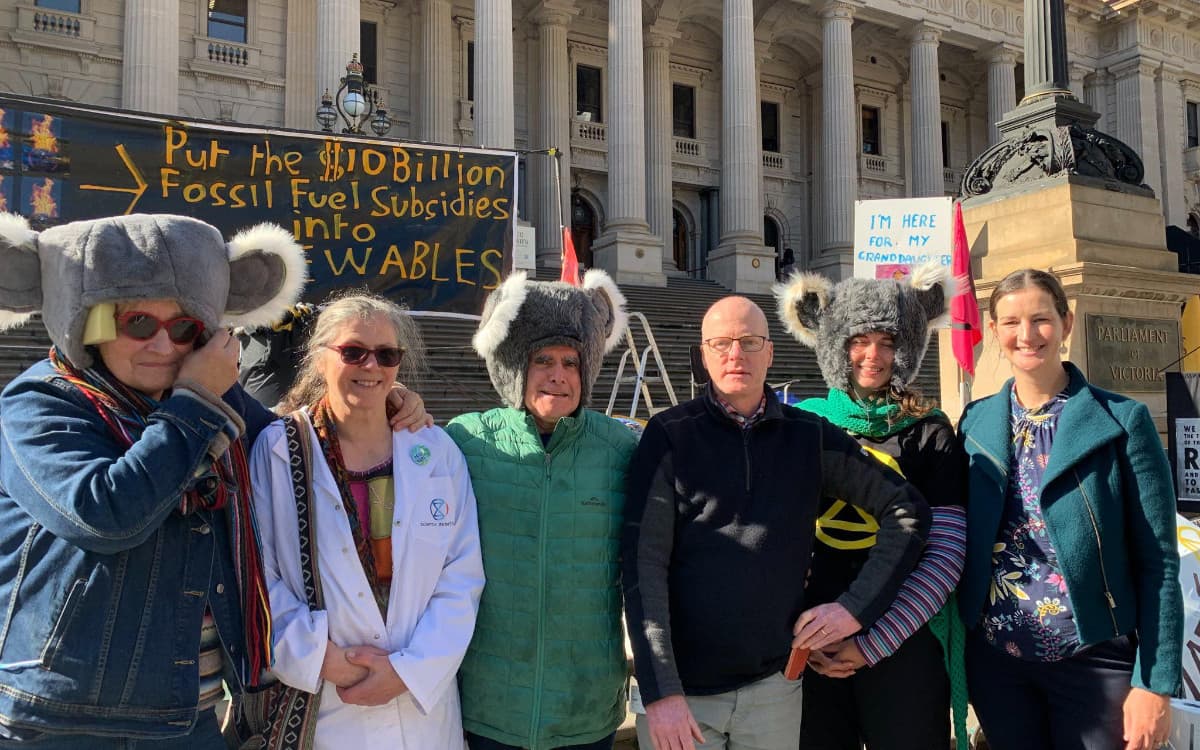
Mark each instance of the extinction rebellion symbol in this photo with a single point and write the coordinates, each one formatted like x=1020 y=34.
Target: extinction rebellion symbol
x=438 y=509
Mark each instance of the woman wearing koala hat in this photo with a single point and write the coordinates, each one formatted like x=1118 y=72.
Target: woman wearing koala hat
x=129 y=571
x=546 y=667
x=870 y=337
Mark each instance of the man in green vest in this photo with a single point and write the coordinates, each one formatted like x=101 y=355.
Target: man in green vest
x=546 y=668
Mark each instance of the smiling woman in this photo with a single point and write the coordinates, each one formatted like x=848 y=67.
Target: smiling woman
x=870 y=336
x=374 y=647
x=1071 y=573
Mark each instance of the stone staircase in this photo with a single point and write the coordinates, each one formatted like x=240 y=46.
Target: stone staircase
x=457 y=380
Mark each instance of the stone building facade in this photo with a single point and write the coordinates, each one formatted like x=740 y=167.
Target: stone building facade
x=697 y=136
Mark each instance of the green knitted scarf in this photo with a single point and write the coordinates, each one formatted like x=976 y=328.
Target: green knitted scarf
x=876 y=418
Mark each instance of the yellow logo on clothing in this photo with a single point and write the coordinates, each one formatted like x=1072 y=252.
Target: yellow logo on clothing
x=855 y=528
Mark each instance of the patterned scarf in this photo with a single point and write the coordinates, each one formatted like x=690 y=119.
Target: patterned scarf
x=875 y=418
x=126 y=412
x=326 y=428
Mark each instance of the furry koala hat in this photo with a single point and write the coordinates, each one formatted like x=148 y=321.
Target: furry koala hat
x=66 y=270
x=522 y=316
x=824 y=316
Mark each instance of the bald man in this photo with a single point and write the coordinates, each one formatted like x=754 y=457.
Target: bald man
x=719 y=521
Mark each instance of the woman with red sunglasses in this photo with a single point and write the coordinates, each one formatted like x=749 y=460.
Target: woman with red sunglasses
x=130 y=578
x=129 y=573
x=370 y=546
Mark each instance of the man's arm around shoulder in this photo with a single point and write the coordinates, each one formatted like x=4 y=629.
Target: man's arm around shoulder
x=849 y=473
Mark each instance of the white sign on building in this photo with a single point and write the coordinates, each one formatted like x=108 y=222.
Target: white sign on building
x=525 y=250
x=893 y=236
x=1187 y=459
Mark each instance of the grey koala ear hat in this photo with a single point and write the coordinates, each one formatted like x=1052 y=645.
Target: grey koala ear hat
x=523 y=316
x=824 y=316
x=66 y=270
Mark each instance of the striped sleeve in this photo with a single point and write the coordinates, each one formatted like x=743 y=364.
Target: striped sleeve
x=925 y=590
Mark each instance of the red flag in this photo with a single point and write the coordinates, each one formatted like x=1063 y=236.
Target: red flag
x=570 y=264
x=965 y=327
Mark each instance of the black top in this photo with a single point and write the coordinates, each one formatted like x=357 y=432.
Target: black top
x=718 y=535
x=929 y=456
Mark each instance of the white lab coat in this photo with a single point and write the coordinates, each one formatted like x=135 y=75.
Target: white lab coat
x=436 y=584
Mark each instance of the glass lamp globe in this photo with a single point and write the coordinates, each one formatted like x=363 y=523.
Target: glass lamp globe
x=354 y=104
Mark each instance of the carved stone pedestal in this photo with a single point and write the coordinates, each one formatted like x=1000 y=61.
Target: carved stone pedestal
x=631 y=255
x=1108 y=249
x=744 y=267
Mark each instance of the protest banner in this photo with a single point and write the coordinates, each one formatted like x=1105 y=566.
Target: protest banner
x=427 y=225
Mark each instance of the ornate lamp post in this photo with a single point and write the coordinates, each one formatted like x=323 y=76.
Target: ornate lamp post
x=1050 y=133
x=356 y=102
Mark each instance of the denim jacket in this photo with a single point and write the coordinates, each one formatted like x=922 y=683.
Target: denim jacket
x=103 y=583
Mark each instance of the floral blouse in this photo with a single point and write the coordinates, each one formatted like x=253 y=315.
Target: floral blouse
x=1028 y=611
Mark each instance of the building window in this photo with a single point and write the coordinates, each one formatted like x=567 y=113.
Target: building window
x=945 y=144
x=770 y=126
x=470 y=71
x=1193 y=123
x=70 y=6
x=870 y=130
x=368 y=39
x=227 y=20
x=588 y=92
x=683 y=110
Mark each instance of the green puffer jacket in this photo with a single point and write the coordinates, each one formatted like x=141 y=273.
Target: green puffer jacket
x=546 y=667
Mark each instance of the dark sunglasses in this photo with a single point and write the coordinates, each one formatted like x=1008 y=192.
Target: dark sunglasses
x=385 y=356
x=141 y=326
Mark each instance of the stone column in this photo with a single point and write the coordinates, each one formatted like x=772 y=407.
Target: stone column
x=839 y=145
x=337 y=41
x=1095 y=95
x=494 y=119
x=435 y=114
x=1002 y=87
x=1171 y=140
x=150 y=72
x=926 y=113
x=627 y=249
x=1136 y=114
x=554 y=131
x=741 y=261
x=1078 y=74
x=659 y=141
x=300 y=95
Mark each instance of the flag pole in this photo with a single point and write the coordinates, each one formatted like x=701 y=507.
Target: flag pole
x=555 y=154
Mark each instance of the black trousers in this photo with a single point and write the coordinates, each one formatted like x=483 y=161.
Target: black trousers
x=902 y=703
x=1073 y=704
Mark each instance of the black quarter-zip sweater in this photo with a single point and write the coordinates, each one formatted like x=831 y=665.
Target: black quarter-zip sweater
x=718 y=535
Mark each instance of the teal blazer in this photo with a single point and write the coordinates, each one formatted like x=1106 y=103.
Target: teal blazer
x=1109 y=505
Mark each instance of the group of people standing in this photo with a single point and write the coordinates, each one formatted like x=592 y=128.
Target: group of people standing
x=360 y=578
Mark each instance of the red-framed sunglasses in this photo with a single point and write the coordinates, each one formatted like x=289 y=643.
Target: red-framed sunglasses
x=141 y=326
x=385 y=356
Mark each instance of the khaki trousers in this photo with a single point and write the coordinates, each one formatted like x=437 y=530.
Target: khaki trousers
x=763 y=715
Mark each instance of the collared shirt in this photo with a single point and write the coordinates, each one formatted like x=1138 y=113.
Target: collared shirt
x=744 y=422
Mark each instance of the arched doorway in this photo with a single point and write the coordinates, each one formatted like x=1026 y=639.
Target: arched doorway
x=583 y=228
x=772 y=239
x=679 y=241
